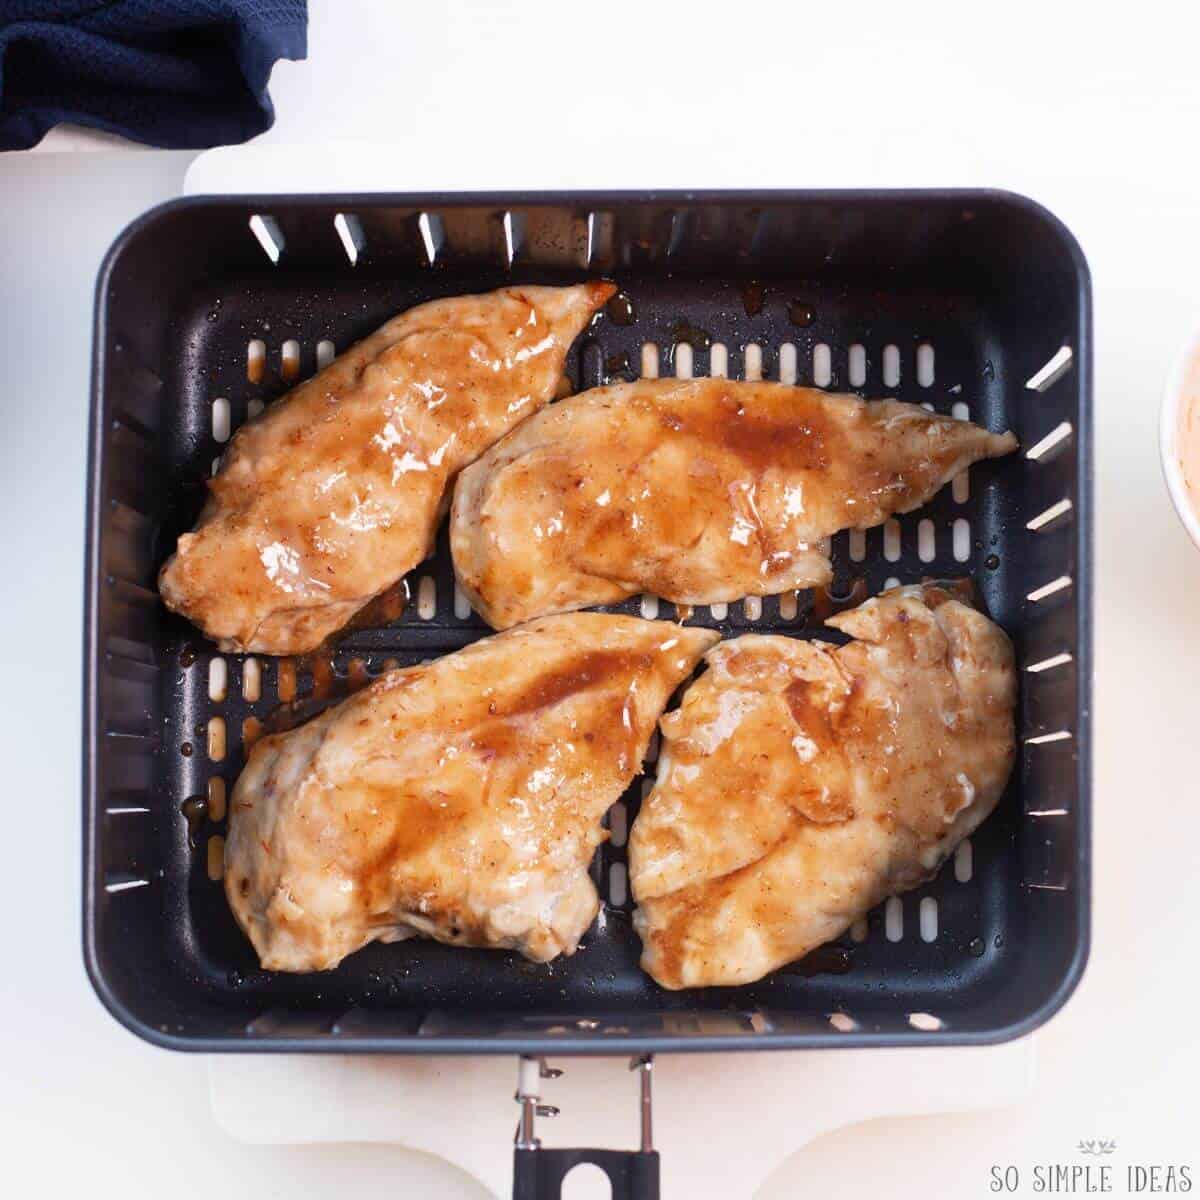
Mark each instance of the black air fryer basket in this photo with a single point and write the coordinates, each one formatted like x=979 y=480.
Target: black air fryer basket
x=974 y=302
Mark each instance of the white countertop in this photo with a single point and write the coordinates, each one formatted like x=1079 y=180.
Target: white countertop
x=1098 y=120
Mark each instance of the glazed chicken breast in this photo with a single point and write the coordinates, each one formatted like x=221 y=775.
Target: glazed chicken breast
x=335 y=492
x=459 y=800
x=799 y=784
x=698 y=491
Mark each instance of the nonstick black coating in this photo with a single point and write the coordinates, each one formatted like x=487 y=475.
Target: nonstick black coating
x=993 y=283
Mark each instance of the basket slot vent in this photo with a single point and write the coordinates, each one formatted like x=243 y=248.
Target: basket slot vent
x=131 y=739
x=133 y=426
x=719 y=611
x=683 y=360
x=1046 y=376
x=964 y=861
x=139 y=652
x=216 y=798
x=512 y=237
x=222 y=420
x=928 y=919
x=960 y=487
x=891 y=540
x=284 y=1023
x=718 y=360
x=761 y=1023
x=961 y=536
x=427 y=598
x=216 y=739
x=649 y=607
x=127 y=802
x=649 y=361
x=1048 y=664
x=462 y=606
x=925 y=365
x=926 y=1022
x=822 y=365
x=256 y=360
x=1049 y=516
x=326 y=352
x=859 y=930
x=891 y=582
x=752 y=607
x=926 y=540
x=787 y=363
x=858 y=365
x=589 y=245
x=251 y=680
x=752 y=367
x=618 y=824
x=601 y=231
x=214 y=858
x=285 y=680
x=843 y=1022
x=1049 y=589
x=678 y=231
x=289 y=361
x=1045 y=739
x=218 y=679
x=1056 y=440
x=891 y=365
x=893 y=919
x=123 y=881
x=254 y=408
x=433 y=235
x=349 y=229
x=789 y=605
x=618 y=890
x=132 y=593
x=858 y=545
x=270 y=236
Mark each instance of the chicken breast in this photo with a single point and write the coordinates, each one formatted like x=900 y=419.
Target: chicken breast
x=336 y=490
x=799 y=784
x=459 y=801
x=698 y=491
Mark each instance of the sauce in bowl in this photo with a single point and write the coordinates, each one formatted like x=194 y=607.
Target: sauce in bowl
x=1180 y=437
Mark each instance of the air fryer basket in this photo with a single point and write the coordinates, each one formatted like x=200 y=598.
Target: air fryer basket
x=973 y=302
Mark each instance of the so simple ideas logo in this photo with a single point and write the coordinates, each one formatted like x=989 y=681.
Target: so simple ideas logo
x=1094 y=1177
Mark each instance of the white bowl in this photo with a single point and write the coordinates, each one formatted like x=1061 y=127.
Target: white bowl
x=1182 y=391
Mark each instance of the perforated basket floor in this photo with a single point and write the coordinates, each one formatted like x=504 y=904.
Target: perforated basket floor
x=975 y=304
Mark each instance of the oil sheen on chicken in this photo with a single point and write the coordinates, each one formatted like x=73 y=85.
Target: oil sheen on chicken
x=335 y=492
x=699 y=491
x=459 y=800
x=800 y=784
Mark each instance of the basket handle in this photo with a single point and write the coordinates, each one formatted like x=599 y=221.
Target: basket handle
x=538 y=1173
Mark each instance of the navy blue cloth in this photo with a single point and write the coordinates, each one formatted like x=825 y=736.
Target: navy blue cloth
x=184 y=74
